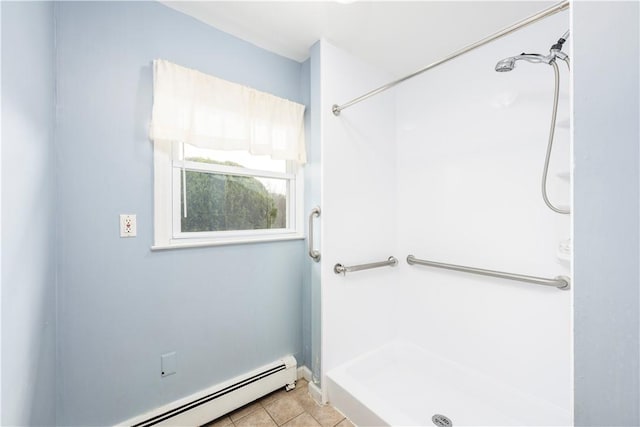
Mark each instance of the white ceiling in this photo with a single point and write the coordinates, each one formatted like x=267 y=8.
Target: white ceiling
x=398 y=36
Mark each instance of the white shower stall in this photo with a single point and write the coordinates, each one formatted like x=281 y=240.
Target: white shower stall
x=447 y=167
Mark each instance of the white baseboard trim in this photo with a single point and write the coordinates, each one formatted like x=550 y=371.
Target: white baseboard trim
x=316 y=393
x=304 y=372
x=314 y=390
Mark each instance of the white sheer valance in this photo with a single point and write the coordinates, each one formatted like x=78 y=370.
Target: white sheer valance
x=208 y=112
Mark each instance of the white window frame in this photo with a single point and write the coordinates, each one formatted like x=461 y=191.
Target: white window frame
x=167 y=169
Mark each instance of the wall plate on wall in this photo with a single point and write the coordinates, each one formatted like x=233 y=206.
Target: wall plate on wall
x=128 y=226
x=168 y=364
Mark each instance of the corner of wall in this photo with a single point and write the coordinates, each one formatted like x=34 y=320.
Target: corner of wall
x=28 y=119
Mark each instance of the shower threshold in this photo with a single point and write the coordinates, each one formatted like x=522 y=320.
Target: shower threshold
x=402 y=384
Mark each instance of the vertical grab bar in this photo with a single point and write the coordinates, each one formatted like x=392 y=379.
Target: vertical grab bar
x=315 y=255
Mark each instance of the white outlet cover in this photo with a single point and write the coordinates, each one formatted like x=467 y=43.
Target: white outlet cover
x=128 y=225
x=168 y=364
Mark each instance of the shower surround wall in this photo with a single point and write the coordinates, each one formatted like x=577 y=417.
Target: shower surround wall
x=358 y=208
x=471 y=146
x=463 y=147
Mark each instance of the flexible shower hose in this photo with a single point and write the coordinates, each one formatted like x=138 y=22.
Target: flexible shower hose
x=554 y=115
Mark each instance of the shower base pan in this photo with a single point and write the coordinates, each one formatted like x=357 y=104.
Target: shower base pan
x=401 y=384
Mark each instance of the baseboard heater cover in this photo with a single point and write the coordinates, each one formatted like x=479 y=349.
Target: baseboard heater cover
x=222 y=398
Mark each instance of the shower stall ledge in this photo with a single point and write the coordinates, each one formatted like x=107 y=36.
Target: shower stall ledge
x=402 y=384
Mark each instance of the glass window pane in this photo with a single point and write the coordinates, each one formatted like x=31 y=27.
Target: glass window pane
x=234 y=158
x=217 y=202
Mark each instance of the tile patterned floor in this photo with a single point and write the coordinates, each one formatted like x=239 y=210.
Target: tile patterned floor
x=288 y=409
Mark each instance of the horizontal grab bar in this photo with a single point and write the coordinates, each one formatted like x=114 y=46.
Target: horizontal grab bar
x=339 y=268
x=560 y=282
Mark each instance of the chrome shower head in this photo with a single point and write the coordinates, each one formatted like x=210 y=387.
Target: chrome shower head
x=506 y=64
x=509 y=64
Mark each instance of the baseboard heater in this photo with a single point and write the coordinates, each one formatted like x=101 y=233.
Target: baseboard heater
x=216 y=401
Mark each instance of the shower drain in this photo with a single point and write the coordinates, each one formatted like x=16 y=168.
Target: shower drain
x=441 y=421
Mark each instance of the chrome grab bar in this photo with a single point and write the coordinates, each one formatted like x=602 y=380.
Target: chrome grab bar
x=560 y=282
x=315 y=255
x=339 y=268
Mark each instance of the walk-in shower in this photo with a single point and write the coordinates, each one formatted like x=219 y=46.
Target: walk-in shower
x=555 y=53
x=444 y=166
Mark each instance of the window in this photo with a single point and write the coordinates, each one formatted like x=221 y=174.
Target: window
x=227 y=197
x=209 y=189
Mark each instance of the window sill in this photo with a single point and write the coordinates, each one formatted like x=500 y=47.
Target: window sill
x=224 y=242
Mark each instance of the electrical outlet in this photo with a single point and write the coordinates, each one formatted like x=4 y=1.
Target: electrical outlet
x=127 y=225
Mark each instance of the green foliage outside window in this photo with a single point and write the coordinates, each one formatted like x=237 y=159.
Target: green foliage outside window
x=218 y=202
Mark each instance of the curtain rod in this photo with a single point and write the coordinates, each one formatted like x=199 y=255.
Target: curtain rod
x=336 y=109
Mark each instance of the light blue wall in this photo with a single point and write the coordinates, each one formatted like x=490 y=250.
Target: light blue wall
x=308 y=185
x=313 y=193
x=28 y=216
x=224 y=310
x=606 y=212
